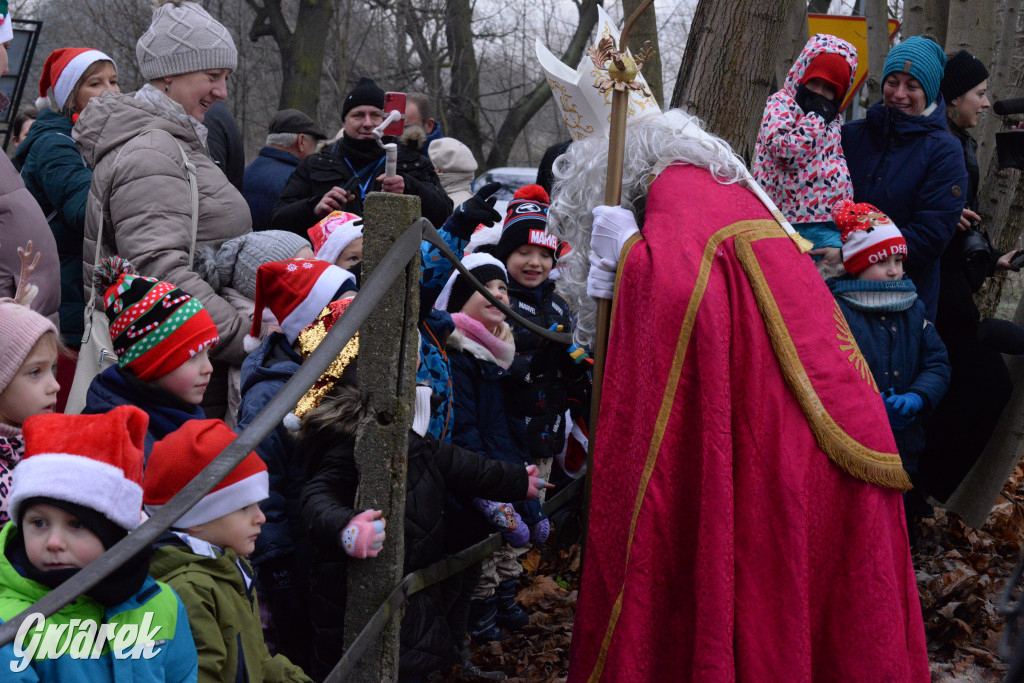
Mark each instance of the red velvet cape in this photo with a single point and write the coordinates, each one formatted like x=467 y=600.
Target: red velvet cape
x=746 y=520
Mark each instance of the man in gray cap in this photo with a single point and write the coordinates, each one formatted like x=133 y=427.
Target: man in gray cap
x=293 y=137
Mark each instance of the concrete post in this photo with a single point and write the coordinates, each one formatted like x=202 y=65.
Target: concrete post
x=387 y=370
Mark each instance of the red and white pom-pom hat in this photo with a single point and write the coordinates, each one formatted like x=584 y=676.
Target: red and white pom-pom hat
x=869 y=236
x=62 y=70
x=181 y=455
x=91 y=460
x=333 y=233
x=295 y=291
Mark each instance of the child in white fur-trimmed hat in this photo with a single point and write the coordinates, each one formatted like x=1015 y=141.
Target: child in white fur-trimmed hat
x=78 y=491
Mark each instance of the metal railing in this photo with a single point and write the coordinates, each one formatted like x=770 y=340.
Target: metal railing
x=391 y=267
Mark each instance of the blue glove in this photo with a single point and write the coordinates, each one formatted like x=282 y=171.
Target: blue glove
x=908 y=404
x=897 y=420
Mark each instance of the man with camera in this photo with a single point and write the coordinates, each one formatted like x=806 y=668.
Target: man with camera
x=340 y=176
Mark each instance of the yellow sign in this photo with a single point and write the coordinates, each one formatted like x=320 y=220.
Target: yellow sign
x=854 y=31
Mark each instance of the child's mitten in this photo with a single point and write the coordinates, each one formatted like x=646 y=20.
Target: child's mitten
x=539 y=532
x=535 y=482
x=364 y=536
x=505 y=517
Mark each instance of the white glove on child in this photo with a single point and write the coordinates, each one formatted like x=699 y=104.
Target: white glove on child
x=364 y=536
x=613 y=225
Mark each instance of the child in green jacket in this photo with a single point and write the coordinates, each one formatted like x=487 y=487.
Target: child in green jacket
x=203 y=556
x=78 y=491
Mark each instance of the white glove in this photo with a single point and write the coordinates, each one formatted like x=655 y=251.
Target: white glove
x=601 y=279
x=613 y=225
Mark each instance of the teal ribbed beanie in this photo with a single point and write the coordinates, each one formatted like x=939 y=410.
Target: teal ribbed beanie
x=920 y=57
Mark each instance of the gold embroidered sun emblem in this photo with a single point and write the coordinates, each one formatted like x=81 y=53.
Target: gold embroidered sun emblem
x=848 y=343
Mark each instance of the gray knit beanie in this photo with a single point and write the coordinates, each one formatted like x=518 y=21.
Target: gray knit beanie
x=239 y=258
x=183 y=38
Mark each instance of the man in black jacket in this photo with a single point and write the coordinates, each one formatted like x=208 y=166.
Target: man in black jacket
x=340 y=175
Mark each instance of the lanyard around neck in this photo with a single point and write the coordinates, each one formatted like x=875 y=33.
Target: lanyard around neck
x=363 y=186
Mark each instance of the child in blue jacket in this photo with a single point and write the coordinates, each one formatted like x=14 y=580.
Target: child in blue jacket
x=77 y=492
x=162 y=338
x=903 y=351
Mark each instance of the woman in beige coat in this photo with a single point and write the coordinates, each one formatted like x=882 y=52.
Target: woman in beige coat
x=140 y=187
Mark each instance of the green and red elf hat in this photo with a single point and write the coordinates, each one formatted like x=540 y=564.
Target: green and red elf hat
x=155 y=327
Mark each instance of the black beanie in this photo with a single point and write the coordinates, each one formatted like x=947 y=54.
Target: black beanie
x=462 y=288
x=963 y=72
x=107 y=531
x=526 y=222
x=365 y=92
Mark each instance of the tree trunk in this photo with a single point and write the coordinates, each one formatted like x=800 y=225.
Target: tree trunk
x=984 y=34
x=925 y=17
x=646 y=29
x=302 y=50
x=1000 y=198
x=728 y=64
x=877 y=15
x=464 y=89
x=795 y=37
x=972 y=27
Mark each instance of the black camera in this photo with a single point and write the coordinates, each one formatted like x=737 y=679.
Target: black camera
x=979 y=257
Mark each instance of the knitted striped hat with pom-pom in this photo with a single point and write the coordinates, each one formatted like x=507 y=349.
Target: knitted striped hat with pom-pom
x=869 y=236
x=526 y=222
x=155 y=327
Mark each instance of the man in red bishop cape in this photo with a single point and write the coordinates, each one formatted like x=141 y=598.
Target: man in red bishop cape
x=746 y=521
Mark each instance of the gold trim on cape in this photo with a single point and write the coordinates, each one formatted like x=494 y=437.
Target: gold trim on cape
x=862 y=463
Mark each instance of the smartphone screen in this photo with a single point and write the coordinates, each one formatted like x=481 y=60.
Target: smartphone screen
x=394 y=101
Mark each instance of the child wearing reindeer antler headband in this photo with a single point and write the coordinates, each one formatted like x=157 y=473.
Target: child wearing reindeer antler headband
x=29 y=348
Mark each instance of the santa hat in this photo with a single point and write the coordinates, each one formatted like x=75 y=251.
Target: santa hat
x=336 y=231
x=181 y=455
x=868 y=235
x=457 y=290
x=90 y=460
x=526 y=222
x=62 y=70
x=295 y=291
x=155 y=327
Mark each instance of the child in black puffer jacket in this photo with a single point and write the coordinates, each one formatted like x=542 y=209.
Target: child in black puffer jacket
x=434 y=625
x=548 y=380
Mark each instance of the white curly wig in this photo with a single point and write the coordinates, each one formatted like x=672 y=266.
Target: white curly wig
x=651 y=144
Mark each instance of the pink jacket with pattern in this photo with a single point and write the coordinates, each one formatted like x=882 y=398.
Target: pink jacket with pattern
x=799 y=161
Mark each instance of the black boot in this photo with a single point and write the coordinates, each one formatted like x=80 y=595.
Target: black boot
x=471 y=669
x=482 y=626
x=510 y=614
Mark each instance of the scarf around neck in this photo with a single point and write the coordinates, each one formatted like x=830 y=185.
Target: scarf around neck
x=172 y=109
x=888 y=296
x=502 y=350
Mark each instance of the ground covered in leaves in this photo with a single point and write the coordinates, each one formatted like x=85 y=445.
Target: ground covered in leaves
x=961 y=575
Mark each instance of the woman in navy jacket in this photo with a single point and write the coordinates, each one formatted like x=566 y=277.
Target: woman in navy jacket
x=903 y=160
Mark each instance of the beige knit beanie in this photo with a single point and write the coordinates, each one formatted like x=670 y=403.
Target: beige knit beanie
x=183 y=38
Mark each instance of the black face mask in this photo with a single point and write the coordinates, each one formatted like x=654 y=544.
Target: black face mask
x=357 y=273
